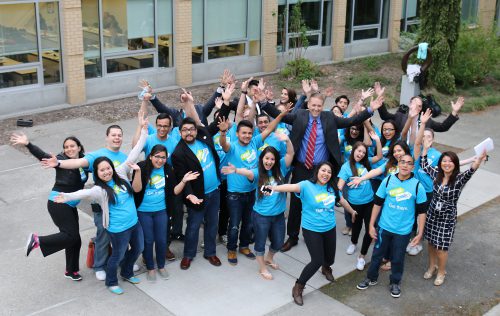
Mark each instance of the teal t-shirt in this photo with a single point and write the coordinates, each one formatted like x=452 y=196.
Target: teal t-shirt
x=398 y=211
x=154 y=193
x=170 y=143
x=122 y=214
x=274 y=204
x=74 y=203
x=272 y=140
x=243 y=157
x=230 y=135
x=433 y=156
x=117 y=157
x=318 y=203
x=207 y=162
x=282 y=128
x=363 y=193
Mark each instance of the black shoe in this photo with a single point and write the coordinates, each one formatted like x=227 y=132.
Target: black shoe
x=178 y=237
x=288 y=245
x=31 y=243
x=363 y=285
x=395 y=290
x=75 y=276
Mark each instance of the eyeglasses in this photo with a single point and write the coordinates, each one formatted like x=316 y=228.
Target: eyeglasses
x=388 y=130
x=163 y=126
x=160 y=157
x=405 y=162
x=188 y=130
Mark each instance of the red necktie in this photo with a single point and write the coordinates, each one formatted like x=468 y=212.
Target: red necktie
x=310 y=146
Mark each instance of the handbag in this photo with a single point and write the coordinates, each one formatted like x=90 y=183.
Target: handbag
x=90 y=254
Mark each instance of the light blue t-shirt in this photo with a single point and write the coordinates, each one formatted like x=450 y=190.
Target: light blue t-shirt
x=230 y=135
x=346 y=149
x=170 y=143
x=433 y=156
x=154 y=194
x=274 y=204
x=383 y=167
x=398 y=211
x=74 y=203
x=318 y=212
x=117 y=157
x=204 y=154
x=363 y=193
x=122 y=214
x=282 y=128
x=243 y=157
x=272 y=140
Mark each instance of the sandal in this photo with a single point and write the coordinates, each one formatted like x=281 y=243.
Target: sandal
x=273 y=265
x=386 y=266
x=266 y=275
x=439 y=279
x=430 y=272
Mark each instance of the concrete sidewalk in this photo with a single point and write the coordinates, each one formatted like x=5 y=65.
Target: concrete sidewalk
x=35 y=285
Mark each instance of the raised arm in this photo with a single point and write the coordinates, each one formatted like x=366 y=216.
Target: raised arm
x=274 y=112
x=379 y=155
x=242 y=101
x=359 y=118
x=22 y=139
x=424 y=164
x=123 y=169
x=289 y=148
x=223 y=128
x=412 y=115
x=274 y=123
x=424 y=118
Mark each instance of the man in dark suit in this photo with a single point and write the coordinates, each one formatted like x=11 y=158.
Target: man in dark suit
x=314 y=138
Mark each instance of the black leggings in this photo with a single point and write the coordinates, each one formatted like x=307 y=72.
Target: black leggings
x=66 y=219
x=321 y=247
x=364 y=214
x=224 y=210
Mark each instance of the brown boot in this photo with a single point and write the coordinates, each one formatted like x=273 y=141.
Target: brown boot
x=327 y=272
x=297 y=294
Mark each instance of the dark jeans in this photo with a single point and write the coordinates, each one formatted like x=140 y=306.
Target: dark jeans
x=154 y=226
x=209 y=216
x=122 y=255
x=294 y=216
x=321 y=247
x=264 y=226
x=101 y=250
x=364 y=214
x=224 y=210
x=65 y=218
x=347 y=215
x=397 y=245
x=240 y=211
x=176 y=216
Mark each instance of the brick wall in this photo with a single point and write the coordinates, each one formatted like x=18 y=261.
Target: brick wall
x=338 y=32
x=182 y=42
x=269 y=34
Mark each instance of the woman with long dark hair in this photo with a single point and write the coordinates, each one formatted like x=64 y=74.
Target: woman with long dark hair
x=448 y=183
x=64 y=216
x=268 y=215
x=153 y=183
x=318 y=197
x=113 y=192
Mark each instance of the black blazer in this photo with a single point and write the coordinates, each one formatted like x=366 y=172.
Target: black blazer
x=170 y=183
x=329 y=122
x=184 y=160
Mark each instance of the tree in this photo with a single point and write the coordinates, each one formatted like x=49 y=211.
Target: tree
x=440 y=26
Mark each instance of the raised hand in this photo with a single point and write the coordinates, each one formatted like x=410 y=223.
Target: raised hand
x=377 y=103
x=306 y=86
x=49 y=162
x=329 y=91
x=457 y=105
x=259 y=95
x=424 y=118
x=226 y=95
x=314 y=85
x=19 y=139
x=262 y=84
x=193 y=199
x=374 y=136
x=223 y=124
x=218 y=102
x=269 y=93
x=244 y=84
x=366 y=94
x=133 y=166
x=144 y=84
x=190 y=176
x=379 y=90
x=224 y=79
x=186 y=96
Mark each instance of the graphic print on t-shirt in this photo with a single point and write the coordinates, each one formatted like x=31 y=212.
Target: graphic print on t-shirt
x=400 y=194
x=249 y=155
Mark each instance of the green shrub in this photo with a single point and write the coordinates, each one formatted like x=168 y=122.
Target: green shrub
x=300 y=69
x=371 y=63
x=476 y=54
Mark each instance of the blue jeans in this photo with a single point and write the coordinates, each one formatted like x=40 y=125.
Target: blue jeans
x=264 y=226
x=120 y=241
x=396 y=244
x=209 y=215
x=154 y=226
x=101 y=240
x=240 y=211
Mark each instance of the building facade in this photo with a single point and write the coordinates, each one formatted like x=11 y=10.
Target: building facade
x=78 y=51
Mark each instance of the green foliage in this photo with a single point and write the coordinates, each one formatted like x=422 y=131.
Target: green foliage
x=476 y=55
x=300 y=69
x=371 y=63
x=365 y=80
x=439 y=26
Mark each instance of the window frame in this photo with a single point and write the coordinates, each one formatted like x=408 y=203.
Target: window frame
x=38 y=65
x=404 y=19
x=377 y=26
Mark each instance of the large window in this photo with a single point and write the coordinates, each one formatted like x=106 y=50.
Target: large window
x=30 y=46
x=367 y=19
x=469 y=11
x=410 y=16
x=123 y=35
x=317 y=17
x=224 y=28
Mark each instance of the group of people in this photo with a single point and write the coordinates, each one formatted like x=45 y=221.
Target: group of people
x=233 y=175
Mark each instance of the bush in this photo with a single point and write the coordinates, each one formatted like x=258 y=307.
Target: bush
x=476 y=54
x=300 y=69
x=371 y=63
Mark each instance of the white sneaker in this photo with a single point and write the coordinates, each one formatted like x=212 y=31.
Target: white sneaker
x=351 y=249
x=136 y=267
x=408 y=248
x=415 y=250
x=361 y=264
x=100 y=275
